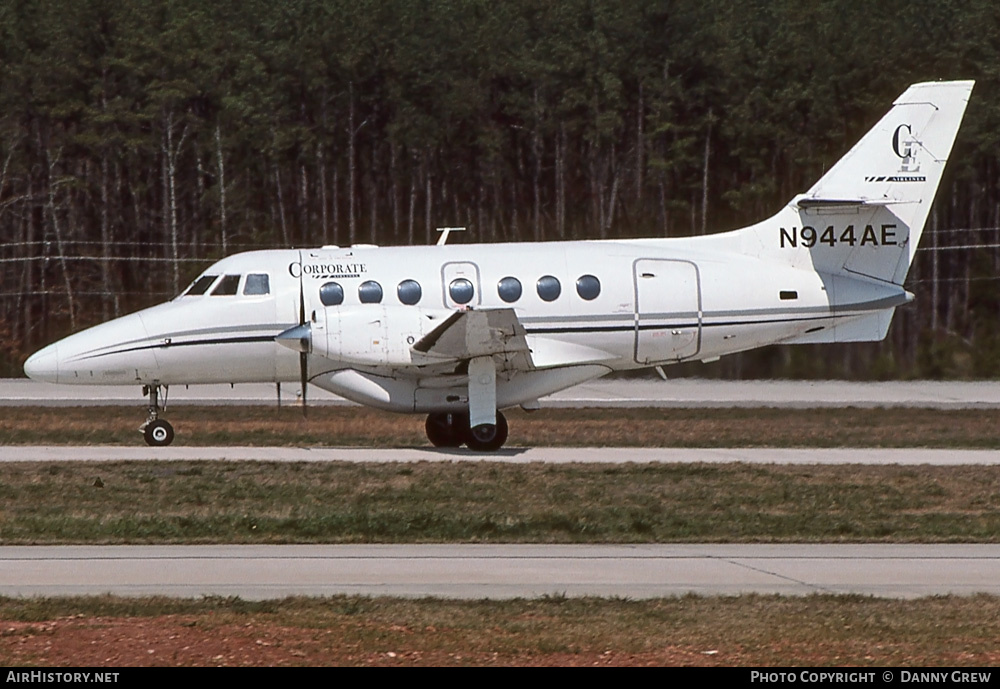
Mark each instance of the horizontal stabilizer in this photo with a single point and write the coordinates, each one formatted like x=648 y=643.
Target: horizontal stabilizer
x=808 y=202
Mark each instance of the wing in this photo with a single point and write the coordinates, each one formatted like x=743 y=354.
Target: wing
x=469 y=334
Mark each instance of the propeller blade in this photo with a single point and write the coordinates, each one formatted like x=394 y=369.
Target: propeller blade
x=304 y=350
x=304 y=369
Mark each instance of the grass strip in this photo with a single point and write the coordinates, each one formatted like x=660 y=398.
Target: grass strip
x=641 y=427
x=750 y=630
x=488 y=502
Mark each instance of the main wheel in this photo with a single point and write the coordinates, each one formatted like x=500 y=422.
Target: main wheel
x=446 y=429
x=488 y=437
x=158 y=433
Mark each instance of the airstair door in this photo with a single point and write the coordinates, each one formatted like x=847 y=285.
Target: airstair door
x=668 y=316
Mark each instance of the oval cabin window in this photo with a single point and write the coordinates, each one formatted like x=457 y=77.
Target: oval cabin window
x=461 y=291
x=331 y=294
x=549 y=288
x=409 y=292
x=370 y=292
x=588 y=287
x=509 y=289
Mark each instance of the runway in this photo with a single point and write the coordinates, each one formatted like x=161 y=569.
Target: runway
x=608 y=393
x=513 y=455
x=505 y=571
x=500 y=571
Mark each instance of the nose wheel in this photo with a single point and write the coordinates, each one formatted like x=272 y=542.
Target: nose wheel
x=157 y=432
x=448 y=429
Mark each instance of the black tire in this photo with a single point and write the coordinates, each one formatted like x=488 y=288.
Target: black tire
x=446 y=429
x=159 y=433
x=487 y=438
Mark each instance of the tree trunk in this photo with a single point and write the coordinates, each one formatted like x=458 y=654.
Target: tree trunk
x=60 y=245
x=351 y=167
x=536 y=153
x=640 y=158
x=704 y=178
x=105 y=239
x=171 y=152
x=220 y=164
x=321 y=169
x=410 y=237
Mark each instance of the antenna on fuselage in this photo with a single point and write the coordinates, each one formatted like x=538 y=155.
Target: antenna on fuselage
x=445 y=231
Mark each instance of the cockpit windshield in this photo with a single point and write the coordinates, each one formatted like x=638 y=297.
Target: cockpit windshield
x=255 y=284
x=227 y=286
x=200 y=286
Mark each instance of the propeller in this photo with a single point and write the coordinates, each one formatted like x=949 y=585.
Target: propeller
x=303 y=351
x=299 y=338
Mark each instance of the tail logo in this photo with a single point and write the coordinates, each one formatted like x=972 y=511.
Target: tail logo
x=904 y=146
x=905 y=149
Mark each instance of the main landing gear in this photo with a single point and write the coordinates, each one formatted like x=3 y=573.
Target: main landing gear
x=451 y=429
x=157 y=432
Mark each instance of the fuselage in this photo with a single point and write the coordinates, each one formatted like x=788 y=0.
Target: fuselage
x=594 y=306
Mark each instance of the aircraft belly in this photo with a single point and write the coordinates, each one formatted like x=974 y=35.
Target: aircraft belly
x=722 y=339
x=511 y=390
x=450 y=393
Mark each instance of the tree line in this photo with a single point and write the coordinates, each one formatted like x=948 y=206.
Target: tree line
x=141 y=140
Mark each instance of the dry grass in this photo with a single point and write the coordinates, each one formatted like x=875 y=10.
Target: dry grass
x=749 y=631
x=340 y=502
x=352 y=426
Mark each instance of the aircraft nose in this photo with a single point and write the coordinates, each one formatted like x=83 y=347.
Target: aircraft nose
x=43 y=365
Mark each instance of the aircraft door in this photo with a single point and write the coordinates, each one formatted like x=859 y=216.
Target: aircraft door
x=460 y=284
x=668 y=315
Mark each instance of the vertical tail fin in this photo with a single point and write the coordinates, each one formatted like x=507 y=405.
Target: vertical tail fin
x=866 y=215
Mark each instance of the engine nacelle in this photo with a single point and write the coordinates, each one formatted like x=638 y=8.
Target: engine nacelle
x=374 y=334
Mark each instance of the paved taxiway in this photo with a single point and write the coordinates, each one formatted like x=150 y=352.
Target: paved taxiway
x=500 y=571
x=473 y=571
x=615 y=393
x=515 y=455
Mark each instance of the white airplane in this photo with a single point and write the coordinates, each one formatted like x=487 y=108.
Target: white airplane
x=459 y=332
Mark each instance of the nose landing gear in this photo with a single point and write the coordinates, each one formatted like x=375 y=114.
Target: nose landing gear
x=157 y=432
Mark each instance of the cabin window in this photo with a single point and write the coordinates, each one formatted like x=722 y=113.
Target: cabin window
x=257 y=284
x=200 y=286
x=409 y=292
x=588 y=287
x=227 y=286
x=461 y=291
x=788 y=294
x=370 y=292
x=509 y=289
x=548 y=288
x=331 y=294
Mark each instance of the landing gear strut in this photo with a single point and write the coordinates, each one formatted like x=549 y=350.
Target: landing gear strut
x=157 y=432
x=451 y=429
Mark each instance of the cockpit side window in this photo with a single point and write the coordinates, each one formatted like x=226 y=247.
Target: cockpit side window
x=200 y=286
x=256 y=284
x=227 y=286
